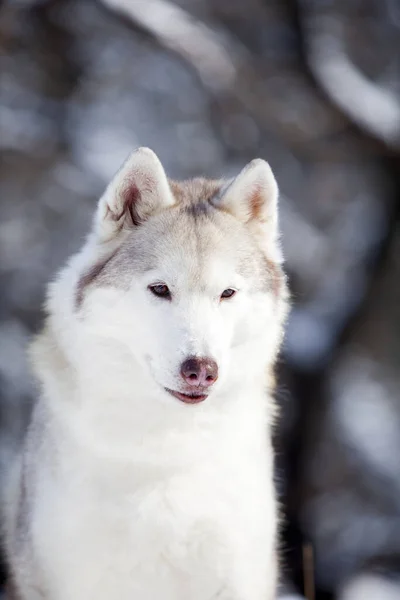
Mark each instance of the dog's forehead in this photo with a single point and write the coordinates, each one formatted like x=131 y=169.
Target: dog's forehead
x=189 y=238
x=193 y=243
x=195 y=192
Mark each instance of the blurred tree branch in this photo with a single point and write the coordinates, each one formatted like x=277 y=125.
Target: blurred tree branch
x=233 y=75
x=372 y=107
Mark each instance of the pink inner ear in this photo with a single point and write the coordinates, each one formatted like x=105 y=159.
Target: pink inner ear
x=256 y=202
x=130 y=196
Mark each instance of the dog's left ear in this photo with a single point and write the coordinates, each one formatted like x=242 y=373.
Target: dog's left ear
x=138 y=190
x=252 y=197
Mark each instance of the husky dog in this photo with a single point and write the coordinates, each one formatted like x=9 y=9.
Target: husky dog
x=147 y=469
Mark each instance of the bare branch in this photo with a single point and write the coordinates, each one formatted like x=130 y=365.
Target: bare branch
x=373 y=108
x=232 y=75
x=177 y=30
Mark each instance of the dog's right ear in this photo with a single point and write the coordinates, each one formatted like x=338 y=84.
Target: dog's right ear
x=138 y=190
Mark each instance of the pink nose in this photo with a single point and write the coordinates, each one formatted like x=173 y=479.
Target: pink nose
x=199 y=372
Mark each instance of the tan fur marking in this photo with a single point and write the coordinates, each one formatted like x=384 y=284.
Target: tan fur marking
x=256 y=204
x=88 y=277
x=198 y=190
x=276 y=277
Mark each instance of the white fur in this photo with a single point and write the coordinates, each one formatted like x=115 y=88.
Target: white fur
x=136 y=495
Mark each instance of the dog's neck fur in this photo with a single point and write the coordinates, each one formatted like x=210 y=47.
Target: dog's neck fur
x=102 y=414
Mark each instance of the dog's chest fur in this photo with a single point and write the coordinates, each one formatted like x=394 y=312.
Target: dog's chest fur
x=128 y=530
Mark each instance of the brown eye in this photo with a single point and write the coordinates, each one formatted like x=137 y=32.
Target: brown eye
x=161 y=290
x=228 y=293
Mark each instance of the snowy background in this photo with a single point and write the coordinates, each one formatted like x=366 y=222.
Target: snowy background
x=313 y=86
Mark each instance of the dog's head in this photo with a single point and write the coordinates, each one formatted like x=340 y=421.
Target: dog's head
x=185 y=277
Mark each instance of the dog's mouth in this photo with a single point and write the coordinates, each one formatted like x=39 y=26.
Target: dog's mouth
x=190 y=398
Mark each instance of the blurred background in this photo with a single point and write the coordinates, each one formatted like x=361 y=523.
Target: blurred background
x=312 y=86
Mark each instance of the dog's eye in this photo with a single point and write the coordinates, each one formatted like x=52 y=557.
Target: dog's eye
x=228 y=293
x=161 y=290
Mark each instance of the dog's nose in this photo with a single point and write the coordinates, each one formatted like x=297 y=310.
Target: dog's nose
x=199 y=371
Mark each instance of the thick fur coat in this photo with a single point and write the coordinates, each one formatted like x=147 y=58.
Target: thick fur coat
x=140 y=479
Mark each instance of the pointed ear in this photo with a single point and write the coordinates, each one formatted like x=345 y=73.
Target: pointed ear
x=138 y=190
x=252 y=197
